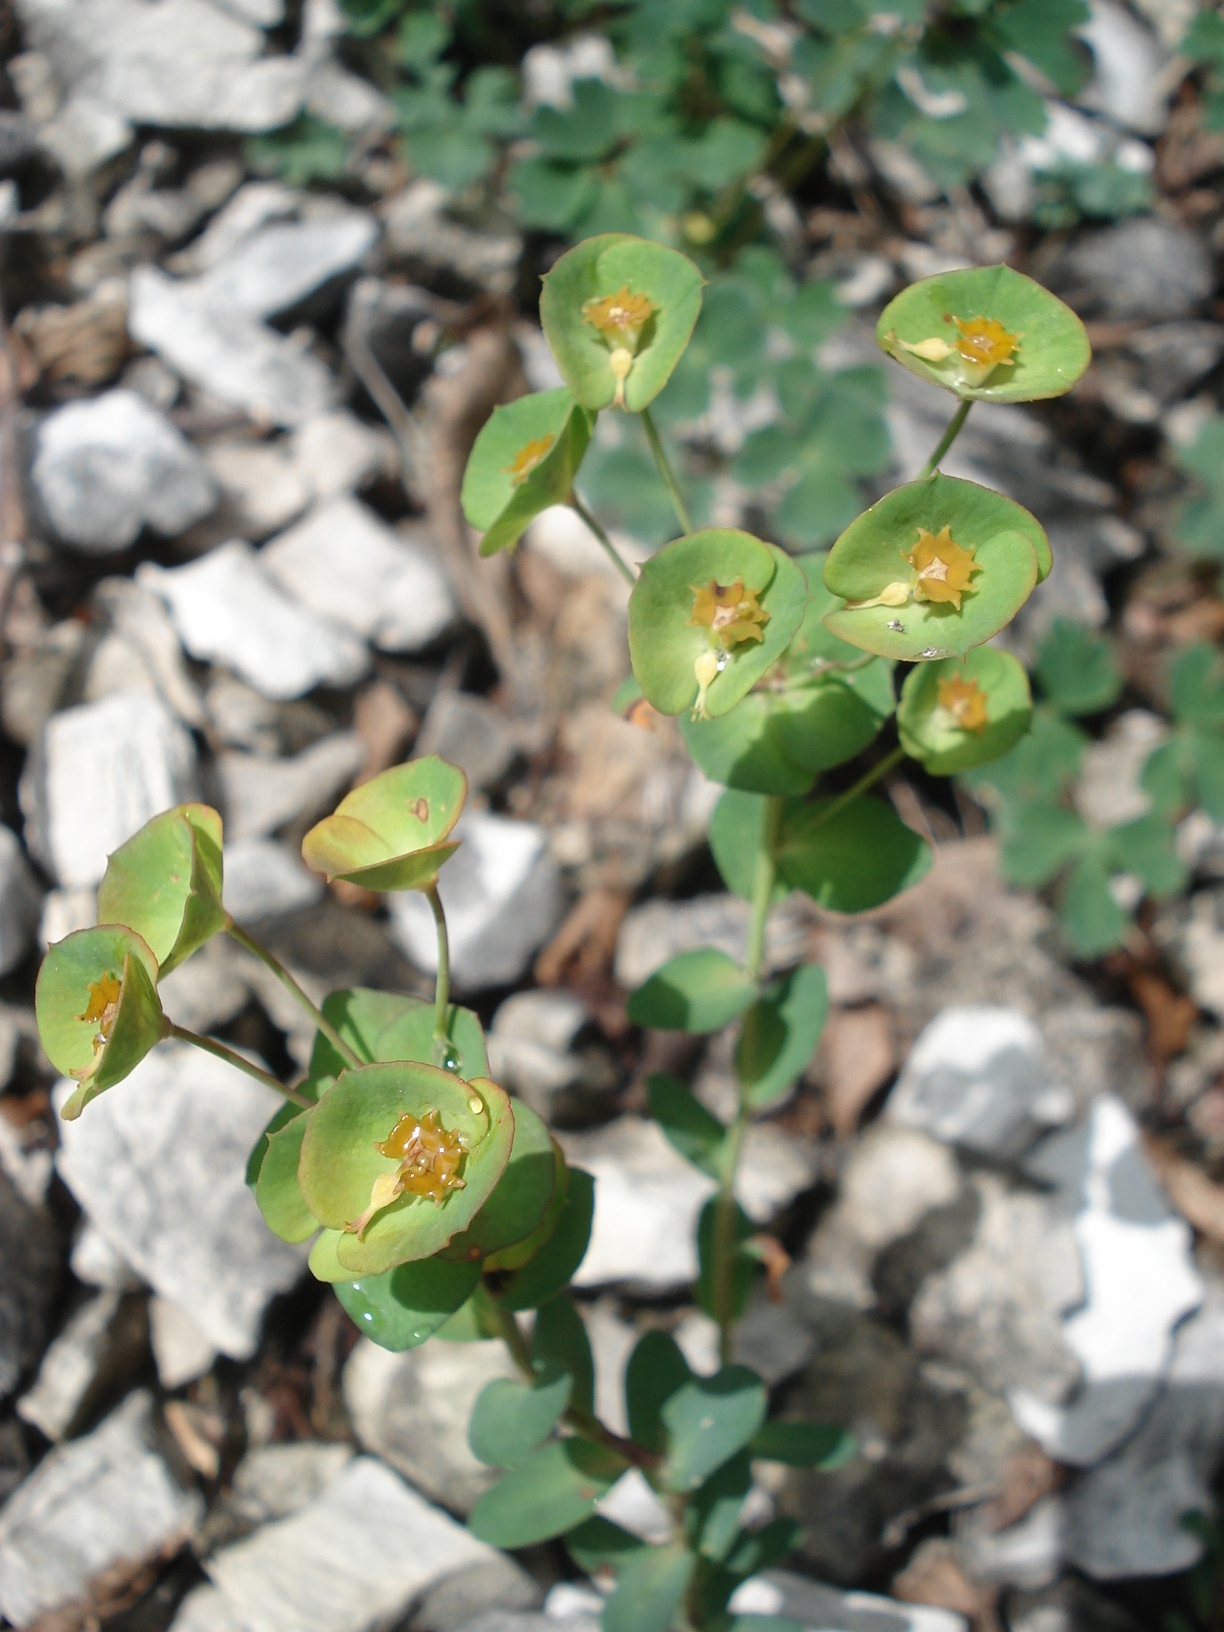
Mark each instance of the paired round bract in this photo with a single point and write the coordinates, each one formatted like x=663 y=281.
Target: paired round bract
x=165 y=883
x=674 y=619
x=524 y=460
x=391 y=832
x=964 y=711
x=986 y=332
x=97 y=1009
x=933 y=538
x=343 y=1171
x=617 y=313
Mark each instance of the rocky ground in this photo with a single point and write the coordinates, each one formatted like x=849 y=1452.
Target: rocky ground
x=234 y=567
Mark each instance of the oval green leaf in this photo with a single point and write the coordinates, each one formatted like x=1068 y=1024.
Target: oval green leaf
x=695 y=1132
x=850 y=857
x=649 y=1590
x=97 y=1008
x=402 y=1308
x=390 y=833
x=554 y=1265
x=165 y=883
x=556 y=1488
x=511 y=1418
x=701 y=990
x=737 y=831
x=964 y=711
x=708 y=1419
x=340 y=1162
x=664 y=641
x=780 y=1034
x=1051 y=348
x=524 y=460
x=602 y=267
x=870 y=559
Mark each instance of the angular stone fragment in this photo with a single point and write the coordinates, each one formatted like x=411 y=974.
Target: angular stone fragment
x=100 y=1342
x=264 y=878
x=278 y=266
x=91 y=1505
x=29 y=1266
x=20 y=902
x=258 y=794
x=158 y=1167
x=108 y=466
x=227 y=609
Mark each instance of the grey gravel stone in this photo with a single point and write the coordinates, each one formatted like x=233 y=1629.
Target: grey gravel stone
x=181 y=1350
x=134 y=758
x=20 y=902
x=1146 y=268
x=471 y=733
x=107 y=467
x=258 y=794
x=91 y=1504
x=228 y=609
x=264 y=879
x=29 y=1265
x=658 y=930
x=101 y=1342
x=159 y=1170
x=412 y=1409
x=820 y=1608
x=348 y=566
x=278 y=266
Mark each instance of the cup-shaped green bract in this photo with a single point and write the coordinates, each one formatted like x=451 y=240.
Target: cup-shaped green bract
x=827 y=704
x=352 y=1184
x=524 y=1192
x=964 y=711
x=986 y=332
x=718 y=597
x=391 y=832
x=934 y=569
x=616 y=294
x=165 y=883
x=524 y=459
x=97 y=1008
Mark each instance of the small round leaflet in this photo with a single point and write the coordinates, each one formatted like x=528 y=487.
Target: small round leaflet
x=165 y=883
x=524 y=460
x=709 y=615
x=986 y=332
x=617 y=313
x=399 y=1158
x=392 y=832
x=97 y=1008
x=935 y=568
x=964 y=711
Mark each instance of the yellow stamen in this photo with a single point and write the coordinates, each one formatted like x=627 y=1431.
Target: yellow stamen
x=965 y=701
x=103 y=1005
x=942 y=567
x=729 y=611
x=527 y=458
x=984 y=342
x=429 y=1159
x=620 y=317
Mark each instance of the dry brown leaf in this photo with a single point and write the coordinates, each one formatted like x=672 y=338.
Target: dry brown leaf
x=1197 y=1198
x=857 y=1056
x=583 y=948
x=934 y=1576
x=1028 y=1475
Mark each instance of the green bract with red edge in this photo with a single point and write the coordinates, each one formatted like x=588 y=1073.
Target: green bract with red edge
x=524 y=460
x=587 y=328
x=165 y=883
x=97 y=1008
x=986 y=332
x=892 y=606
x=391 y=833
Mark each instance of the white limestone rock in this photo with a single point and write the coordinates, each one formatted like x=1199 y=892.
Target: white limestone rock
x=106 y=467
x=258 y=793
x=99 y=1340
x=159 y=1171
x=96 y=775
x=264 y=878
x=229 y=610
x=1140 y=1281
x=820 y=1608
x=21 y=900
x=347 y=565
x=502 y=894
x=282 y=263
x=181 y=1350
x=95 y=1502
x=979 y=1077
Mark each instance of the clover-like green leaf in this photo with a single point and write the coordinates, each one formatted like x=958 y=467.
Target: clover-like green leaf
x=522 y=1196
x=850 y=857
x=719 y=598
x=402 y=1308
x=391 y=832
x=780 y=1033
x=934 y=569
x=697 y=991
x=964 y=711
x=165 y=883
x=1077 y=668
x=97 y=1008
x=587 y=326
x=988 y=332
x=524 y=460
x=350 y=1183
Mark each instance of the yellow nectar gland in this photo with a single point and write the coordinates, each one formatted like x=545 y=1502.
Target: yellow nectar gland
x=982 y=344
x=429 y=1158
x=965 y=701
x=527 y=458
x=942 y=567
x=730 y=612
x=620 y=319
x=102 y=1008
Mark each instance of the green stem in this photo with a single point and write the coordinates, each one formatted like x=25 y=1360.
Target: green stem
x=210 y=1045
x=724 y=1247
x=867 y=780
x=442 y=981
x=946 y=440
x=291 y=986
x=610 y=550
x=665 y=471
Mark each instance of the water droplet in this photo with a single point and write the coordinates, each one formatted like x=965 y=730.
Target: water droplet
x=897 y=627
x=445 y=1054
x=930 y=651
x=722 y=662
x=475 y=1104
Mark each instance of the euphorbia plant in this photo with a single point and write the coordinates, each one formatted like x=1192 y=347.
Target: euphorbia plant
x=436 y=1202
